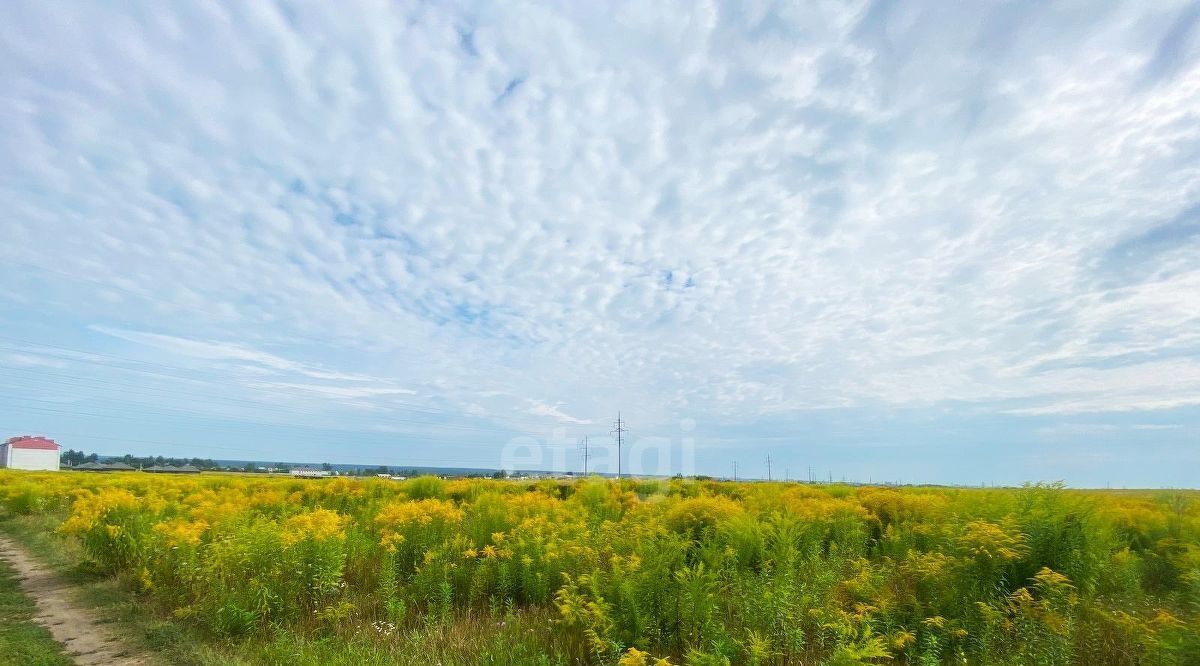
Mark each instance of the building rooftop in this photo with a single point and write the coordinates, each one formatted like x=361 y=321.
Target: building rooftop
x=33 y=442
x=172 y=469
x=102 y=467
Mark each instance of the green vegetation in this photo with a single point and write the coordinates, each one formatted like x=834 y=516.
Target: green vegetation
x=22 y=641
x=267 y=570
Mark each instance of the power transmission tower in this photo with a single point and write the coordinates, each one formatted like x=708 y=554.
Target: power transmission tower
x=585 y=455
x=619 y=430
x=768 y=467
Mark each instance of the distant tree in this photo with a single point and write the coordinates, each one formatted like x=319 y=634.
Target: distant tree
x=327 y=467
x=250 y=467
x=500 y=474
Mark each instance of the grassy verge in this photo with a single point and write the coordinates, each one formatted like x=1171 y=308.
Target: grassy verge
x=139 y=622
x=477 y=638
x=22 y=641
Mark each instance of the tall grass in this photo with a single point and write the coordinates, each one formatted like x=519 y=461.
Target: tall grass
x=652 y=572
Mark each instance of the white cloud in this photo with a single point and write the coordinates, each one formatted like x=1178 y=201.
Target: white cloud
x=223 y=351
x=554 y=411
x=335 y=391
x=33 y=361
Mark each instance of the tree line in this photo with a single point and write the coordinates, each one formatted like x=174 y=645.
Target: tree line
x=72 y=457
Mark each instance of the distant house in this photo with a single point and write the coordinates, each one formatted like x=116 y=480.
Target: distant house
x=30 y=452
x=103 y=467
x=310 y=472
x=172 y=469
x=91 y=467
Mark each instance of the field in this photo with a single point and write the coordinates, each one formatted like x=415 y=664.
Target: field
x=269 y=570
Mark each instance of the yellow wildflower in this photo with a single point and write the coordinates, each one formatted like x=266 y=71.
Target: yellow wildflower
x=903 y=639
x=181 y=532
x=936 y=621
x=317 y=525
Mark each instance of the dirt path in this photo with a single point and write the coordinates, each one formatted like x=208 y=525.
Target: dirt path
x=89 y=641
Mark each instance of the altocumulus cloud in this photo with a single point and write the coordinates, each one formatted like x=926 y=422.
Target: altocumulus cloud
x=708 y=209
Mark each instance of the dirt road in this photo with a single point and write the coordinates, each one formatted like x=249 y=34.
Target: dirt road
x=88 y=640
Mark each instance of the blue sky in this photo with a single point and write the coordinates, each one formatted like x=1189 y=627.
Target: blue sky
x=890 y=241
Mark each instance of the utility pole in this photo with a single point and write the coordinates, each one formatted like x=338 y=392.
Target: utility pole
x=810 y=473
x=735 y=470
x=768 y=467
x=619 y=430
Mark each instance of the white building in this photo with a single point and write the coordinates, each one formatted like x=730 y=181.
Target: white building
x=28 y=452
x=309 y=472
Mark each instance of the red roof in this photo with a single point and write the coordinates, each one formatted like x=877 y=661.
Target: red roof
x=27 y=442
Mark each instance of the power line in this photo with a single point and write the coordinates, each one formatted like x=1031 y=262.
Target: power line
x=258 y=405
x=172 y=412
x=141 y=389
x=277 y=391
x=241 y=427
x=153 y=364
x=127 y=359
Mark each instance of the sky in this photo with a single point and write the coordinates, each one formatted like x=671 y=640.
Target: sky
x=888 y=241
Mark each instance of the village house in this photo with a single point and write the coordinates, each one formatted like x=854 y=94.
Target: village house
x=309 y=472
x=30 y=452
x=171 y=469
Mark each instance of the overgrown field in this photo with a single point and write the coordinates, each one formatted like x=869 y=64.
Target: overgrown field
x=642 y=572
